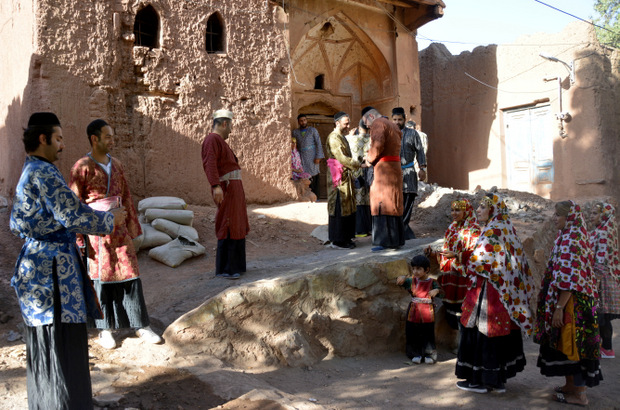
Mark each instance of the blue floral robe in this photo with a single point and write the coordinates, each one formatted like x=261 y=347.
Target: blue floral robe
x=47 y=215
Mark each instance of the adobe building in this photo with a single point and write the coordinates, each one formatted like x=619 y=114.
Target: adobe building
x=156 y=71
x=505 y=116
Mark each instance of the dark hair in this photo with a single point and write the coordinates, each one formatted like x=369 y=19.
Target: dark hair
x=301 y=116
x=94 y=128
x=31 y=136
x=420 y=261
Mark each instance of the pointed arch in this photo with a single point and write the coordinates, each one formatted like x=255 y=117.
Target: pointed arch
x=146 y=27
x=215 y=36
x=347 y=57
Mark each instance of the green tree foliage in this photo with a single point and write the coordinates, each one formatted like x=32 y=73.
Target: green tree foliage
x=608 y=11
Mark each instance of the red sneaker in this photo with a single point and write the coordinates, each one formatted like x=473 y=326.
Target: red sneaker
x=607 y=354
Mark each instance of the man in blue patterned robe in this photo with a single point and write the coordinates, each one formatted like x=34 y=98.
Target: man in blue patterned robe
x=310 y=149
x=54 y=293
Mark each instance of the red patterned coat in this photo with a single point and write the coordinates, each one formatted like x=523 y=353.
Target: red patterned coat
x=111 y=258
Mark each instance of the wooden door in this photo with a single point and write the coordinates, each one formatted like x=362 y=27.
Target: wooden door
x=529 y=149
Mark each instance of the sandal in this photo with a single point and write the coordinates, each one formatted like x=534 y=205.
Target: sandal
x=560 y=389
x=561 y=398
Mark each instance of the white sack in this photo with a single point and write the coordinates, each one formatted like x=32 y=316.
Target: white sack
x=162 y=202
x=183 y=217
x=176 y=251
x=153 y=237
x=174 y=229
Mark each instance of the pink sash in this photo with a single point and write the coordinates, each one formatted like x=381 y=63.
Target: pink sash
x=336 y=169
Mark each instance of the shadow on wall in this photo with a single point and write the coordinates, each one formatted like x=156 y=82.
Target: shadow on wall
x=159 y=147
x=12 y=152
x=458 y=145
x=11 y=148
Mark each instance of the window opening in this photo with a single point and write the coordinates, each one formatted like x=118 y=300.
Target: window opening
x=146 y=28
x=319 y=82
x=215 y=34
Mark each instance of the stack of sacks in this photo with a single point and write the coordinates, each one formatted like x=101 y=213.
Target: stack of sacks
x=167 y=228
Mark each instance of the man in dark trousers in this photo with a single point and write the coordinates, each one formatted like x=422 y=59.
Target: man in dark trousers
x=411 y=150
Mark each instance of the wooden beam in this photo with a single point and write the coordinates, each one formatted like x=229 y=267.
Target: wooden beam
x=399 y=3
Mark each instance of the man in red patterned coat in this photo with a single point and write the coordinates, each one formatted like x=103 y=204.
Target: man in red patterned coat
x=231 y=220
x=98 y=180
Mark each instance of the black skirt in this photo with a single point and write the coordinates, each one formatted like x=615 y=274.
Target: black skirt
x=555 y=363
x=489 y=361
x=363 y=220
x=388 y=231
x=122 y=305
x=57 y=372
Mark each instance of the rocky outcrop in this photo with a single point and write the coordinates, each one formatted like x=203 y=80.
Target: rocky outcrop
x=342 y=310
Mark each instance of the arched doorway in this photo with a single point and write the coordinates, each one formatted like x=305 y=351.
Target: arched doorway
x=338 y=59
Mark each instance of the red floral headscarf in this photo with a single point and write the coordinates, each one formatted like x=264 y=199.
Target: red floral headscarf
x=570 y=263
x=604 y=242
x=499 y=257
x=460 y=235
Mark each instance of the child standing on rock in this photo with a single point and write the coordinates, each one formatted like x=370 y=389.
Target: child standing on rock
x=420 y=325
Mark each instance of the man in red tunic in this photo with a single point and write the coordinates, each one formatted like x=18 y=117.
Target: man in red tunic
x=96 y=179
x=224 y=175
x=386 y=191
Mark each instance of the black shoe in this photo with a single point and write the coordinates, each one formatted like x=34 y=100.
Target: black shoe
x=228 y=275
x=467 y=386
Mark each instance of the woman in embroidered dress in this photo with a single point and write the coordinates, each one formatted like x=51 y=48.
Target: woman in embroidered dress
x=566 y=327
x=496 y=309
x=604 y=243
x=460 y=236
x=300 y=178
x=296 y=167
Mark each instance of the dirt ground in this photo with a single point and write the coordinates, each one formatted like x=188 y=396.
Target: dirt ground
x=138 y=375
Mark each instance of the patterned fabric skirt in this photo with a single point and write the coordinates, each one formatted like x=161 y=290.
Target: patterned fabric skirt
x=609 y=296
x=122 y=304
x=552 y=362
x=489 y=361
x=555 y=363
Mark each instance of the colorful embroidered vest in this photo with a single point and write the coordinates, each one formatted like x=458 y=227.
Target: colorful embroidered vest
x=421 y=309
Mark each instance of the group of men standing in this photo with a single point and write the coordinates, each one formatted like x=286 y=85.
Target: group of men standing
x=54 y=287
x=392 y=153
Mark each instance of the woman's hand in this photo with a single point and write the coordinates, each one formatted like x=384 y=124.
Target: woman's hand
x=448 y=254
x=558 y=318
x=400 y=280
x=433 y=293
